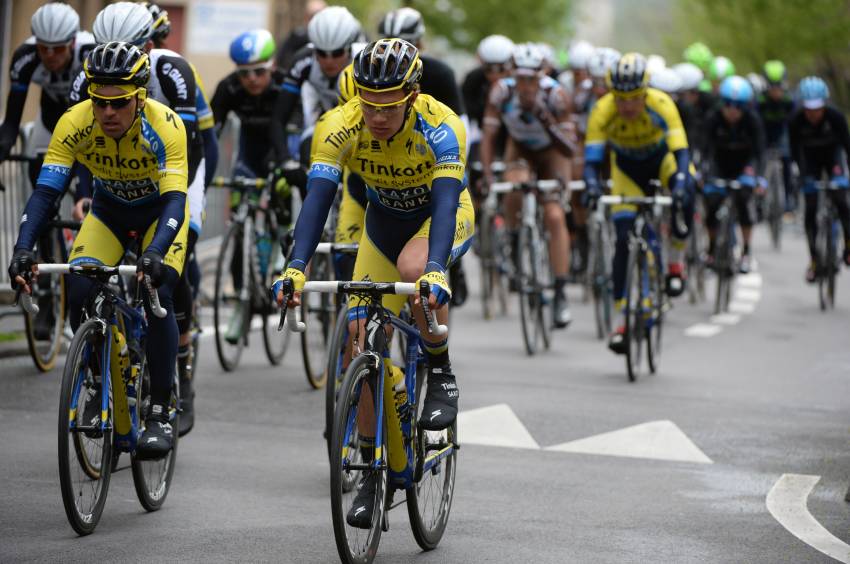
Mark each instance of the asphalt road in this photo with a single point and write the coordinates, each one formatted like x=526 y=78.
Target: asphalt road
x=562 y=461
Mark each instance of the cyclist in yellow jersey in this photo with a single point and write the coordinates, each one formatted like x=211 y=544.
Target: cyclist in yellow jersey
x=409 y=150
x=647 y=140
x=137 y=153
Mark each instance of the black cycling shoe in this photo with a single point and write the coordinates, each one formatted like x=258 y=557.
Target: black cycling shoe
x=187 y=396
x=561 y=311
x=157 y=440
x=440 y=407
x=458 y=282
x=360 y=514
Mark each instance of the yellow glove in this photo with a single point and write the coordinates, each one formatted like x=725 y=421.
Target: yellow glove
x=298 y=279
x=438 y=284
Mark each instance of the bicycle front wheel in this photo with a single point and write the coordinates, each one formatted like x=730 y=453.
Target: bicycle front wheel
x=355 y=545
x=231 y=311
x=85 y=450
x=429 y=500
x=634 y=313
x=725 y=266
x=654 y=316
x=600 y=280
x=530 y=295
x=152 y=478
x=776 y=204
x=49 y=293
x=336 y=352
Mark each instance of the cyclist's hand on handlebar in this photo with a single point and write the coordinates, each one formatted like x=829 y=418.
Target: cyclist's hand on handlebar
x=81 y=208
x=439 y=287
x=151 y=264
x=591 y=194
x=20 y=269
x=298 y=280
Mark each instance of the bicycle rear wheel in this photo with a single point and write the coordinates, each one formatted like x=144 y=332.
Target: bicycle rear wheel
x=355 y=546
x=635 y=324
x=776 y=203
x=724 y=265
x=429 y=500
x=84 y=456
x=152 y=478
x=49 y=293
x=336 y=351
x=317 y=311
x=231 y=313
x=275 y=342
x=600 y=280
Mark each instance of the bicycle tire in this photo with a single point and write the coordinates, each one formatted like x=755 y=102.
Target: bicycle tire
x=275 y=343
x=428 y=532
x=527 y=291
x=724 y=266
x=44 y=353
x=600 y=282
x=317 y=311
x=152 y=493
x=356 y=375
x=228 y=353
x=70 y=410
x=655 y=324
x=634 y=329
x=776 y=204
x=336 y=349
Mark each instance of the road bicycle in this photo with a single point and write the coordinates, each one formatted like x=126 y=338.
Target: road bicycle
x=695 y=264
x=599 y=278
x=251 y=253
x=493 y=246
x=106 y=364
x=725 y=264
x=827 y=250
x=403 y=456
x=533 y=275
x=645 y=294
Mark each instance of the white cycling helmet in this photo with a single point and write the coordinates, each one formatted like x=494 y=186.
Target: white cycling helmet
x=655 y=63
x=527 y=57
x=603 y=59
x=333 y=28
x=495 y=50
x=579 y=54
x=55 y=24
x=666 y=80
x=690 y=75
x=405 y=23
x=123 y=21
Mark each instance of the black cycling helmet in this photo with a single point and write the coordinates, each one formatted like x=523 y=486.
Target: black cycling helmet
x=388 y=64
x=628 y=76
x=161 y=24
x=117 y=63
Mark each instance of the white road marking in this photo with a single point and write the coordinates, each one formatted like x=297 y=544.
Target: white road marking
x=752 y=280
x=746 y=294
x=741 y=307
x=657 y=440
x=703 y=330
x=726 y=319
x=787 y=502
x=208 y=331
x=495 y=425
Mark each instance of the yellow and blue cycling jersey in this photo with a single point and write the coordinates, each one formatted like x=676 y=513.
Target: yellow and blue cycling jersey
x=398 y=173
x=148 y=161
x=658 y=129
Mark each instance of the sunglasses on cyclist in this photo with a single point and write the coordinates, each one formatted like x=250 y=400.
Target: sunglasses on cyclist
x=496 y=68
x=47 y=49
x=371 y=109
x=734 y=104
x=116 y=103
x=335 y=54
x=256 y=71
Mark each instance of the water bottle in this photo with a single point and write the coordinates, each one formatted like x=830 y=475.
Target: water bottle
x=264 y=250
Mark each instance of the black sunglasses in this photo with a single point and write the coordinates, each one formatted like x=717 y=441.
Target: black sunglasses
x=259 y=71
x=496 y=68
x=734 y=104
x=336 y=53
x=116 y=103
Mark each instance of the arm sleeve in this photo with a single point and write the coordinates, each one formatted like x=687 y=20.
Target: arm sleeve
x=37 y=212
x=170 y=219
x=683 y=160
x=177 y=81
x=220 y=105
x=445 y=195
x=23 y=64
x=79 y=89
x=448 y=141
x=285 y=103
x=311 y=221
x=210 y=154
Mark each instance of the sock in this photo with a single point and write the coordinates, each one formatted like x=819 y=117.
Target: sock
x=437 y=354
x=560 y=285
x=182 y=356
